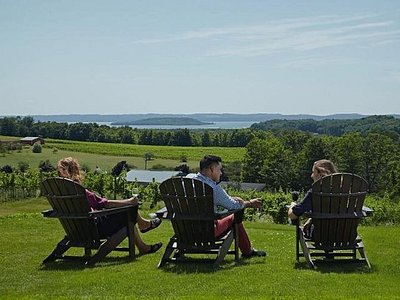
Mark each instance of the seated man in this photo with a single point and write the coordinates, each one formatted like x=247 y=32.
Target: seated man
x=210 y=173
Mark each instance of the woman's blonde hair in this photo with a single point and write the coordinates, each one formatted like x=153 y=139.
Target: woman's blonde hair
x=325 y=167
x=69 y=168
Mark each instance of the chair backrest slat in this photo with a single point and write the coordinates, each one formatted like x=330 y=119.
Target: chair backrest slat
x=190 y=202
x=68 y=197
x=341 y=195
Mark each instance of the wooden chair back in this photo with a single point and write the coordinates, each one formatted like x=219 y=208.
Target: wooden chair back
x=337 y=202
x=190 y=207
x=70 y=206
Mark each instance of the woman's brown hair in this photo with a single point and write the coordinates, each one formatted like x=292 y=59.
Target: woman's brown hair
x=325 y=167
x=69 y=168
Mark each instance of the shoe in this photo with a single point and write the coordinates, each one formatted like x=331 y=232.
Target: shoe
x=255 y=253
x=154 y=248
x=154 y=223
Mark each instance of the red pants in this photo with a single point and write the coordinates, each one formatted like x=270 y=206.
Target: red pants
x=223 y=225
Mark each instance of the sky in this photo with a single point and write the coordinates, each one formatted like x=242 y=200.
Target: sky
x=127 y=57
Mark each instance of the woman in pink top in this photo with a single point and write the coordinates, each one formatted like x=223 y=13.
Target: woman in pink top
x=69 y=168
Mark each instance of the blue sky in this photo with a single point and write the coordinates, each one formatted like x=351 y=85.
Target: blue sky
x=118 y=57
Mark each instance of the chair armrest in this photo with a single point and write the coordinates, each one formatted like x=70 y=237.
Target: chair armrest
x=48 y=213
x=368 y=211
x=227 y=213
x=162 y=213
x=114 y=210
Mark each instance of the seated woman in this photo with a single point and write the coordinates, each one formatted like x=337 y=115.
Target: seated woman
x=69 y=168
x=320 y=169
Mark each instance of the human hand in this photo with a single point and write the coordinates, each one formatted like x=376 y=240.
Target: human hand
x=256 y=203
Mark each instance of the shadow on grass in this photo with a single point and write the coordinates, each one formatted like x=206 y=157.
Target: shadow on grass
x=194 y=265
x=78 y=264
x=337 y=266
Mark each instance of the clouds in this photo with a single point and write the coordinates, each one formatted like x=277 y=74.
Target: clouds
x=288 y=35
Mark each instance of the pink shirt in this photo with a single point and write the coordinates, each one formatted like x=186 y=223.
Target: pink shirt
x=95 y=202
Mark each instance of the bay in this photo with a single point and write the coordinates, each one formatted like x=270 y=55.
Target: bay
x=215 y=125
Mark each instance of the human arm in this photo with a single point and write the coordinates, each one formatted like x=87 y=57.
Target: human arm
x=253 y=203
x=124 y=202
x=297 y=209
x=292 y=215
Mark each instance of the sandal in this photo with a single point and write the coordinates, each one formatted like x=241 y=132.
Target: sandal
x=154 y=248
x=255 y=253
x=154 y=223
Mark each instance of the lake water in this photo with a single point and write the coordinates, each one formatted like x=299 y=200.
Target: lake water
x=216 y=125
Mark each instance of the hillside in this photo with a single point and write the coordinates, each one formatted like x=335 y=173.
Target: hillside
x=180 y=121
x=204 y=117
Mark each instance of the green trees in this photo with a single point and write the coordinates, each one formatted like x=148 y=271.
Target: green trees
x=378 y=161
x=284 y=160
x=253 y=161
x=350 y=155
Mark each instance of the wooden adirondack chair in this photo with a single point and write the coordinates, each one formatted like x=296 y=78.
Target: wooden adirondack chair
x=190 y=208
x=337 y=208
x=69 y=204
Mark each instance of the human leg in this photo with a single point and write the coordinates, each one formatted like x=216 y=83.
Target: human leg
x=111 y=224
x=223 y=225
x=142 y=246
x=145 y=224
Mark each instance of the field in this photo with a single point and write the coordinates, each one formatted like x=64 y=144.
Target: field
x=26 y=238
x=107 y=155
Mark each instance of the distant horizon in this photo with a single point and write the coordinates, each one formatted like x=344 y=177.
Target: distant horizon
x=221 y=118
x=192 y=113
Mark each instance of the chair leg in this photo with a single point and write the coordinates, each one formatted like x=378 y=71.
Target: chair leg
x=223 y=250
x=106 y=247
x=236 y=240
x=306 y=251
x=60 y=249
x=297 y=242
x=132 y=214
x=167 y=253
x=364 y=256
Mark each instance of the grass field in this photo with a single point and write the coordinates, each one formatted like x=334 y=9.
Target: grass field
x=106 y=155
x=26 y=238
x=105 y=162
x=166 y=152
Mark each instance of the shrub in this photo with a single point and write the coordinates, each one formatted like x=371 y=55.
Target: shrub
x=23 y=166
x=85 y=168
x=183 y=169
x=385 y=211
x=6 y=169
x=46 y=166
x=15 y=146
x=37 y=148
x=159 y=167
x=119 y=167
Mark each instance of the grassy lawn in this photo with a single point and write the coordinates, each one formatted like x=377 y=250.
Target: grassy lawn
x=26 y=238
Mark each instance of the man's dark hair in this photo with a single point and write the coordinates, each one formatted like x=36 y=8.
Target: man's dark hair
x=208 y=160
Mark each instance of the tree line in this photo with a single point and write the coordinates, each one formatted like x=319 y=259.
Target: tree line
x=93 y=132
x=336 y=127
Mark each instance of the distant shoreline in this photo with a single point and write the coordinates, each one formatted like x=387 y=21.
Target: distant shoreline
x=168 y=121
